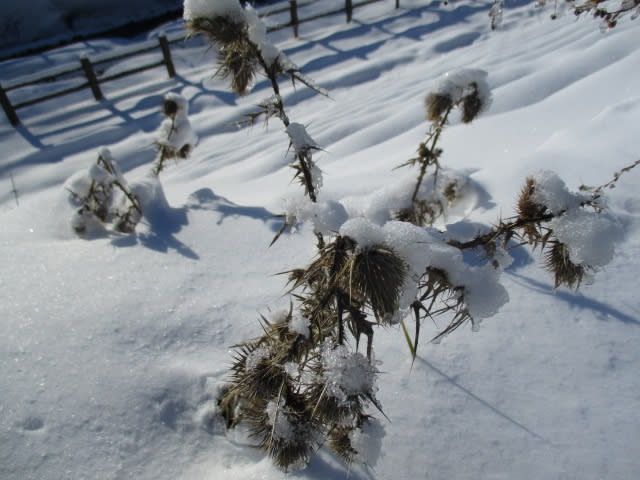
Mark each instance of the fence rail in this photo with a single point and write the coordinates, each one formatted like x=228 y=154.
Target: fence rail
x=93 y=79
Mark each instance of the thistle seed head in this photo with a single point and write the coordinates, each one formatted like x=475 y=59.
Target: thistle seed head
x=471 y=105
x=437 y=104
x=169 y=107
x=565 y=271
x=374 y=276
x=340 y=444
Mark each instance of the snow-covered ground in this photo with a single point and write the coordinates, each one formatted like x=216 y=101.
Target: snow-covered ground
x=113 y=348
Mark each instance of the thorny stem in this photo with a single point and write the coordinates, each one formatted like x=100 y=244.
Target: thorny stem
x=431 y=155
x=614 y=180
x=340 y=321
x=304 y=167
x=496 y=232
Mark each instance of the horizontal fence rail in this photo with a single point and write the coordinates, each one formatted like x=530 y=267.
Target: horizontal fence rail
x=92 y=79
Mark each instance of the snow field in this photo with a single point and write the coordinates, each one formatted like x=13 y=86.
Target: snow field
x=114 y=348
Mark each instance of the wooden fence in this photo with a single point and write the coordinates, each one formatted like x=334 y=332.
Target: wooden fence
x=92 y=80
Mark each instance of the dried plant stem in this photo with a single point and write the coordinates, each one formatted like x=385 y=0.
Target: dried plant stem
x=507 y=230
x=616 y=176
x=273 y=79
x=431 y=158
x=14 y=189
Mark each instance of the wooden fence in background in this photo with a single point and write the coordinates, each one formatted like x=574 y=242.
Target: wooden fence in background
x=92 y=79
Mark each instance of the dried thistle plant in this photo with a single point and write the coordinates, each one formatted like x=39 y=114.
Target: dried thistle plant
x=244 y=53
x=294 y=387
x=96 y=194
x=468 y=93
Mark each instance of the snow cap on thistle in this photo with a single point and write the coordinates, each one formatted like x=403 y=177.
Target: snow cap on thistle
x=466 y=88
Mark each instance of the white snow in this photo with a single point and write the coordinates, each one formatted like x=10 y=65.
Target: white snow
x=257 y=32
x=591 y=237
x=346 y=373
x=210 y=9
x=114 y=347
x=551 y=192
x=300 y=139
x=457 y=83
x=278 y=419
x=176 y=131
x=299 y=325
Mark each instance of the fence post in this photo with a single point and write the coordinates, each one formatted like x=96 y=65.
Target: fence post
x=8 y=108
x=91 y=76
x=166 y=55
x=293 y=8
x=349 y=9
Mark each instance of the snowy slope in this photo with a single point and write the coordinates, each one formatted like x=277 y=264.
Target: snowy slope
x=113 y=348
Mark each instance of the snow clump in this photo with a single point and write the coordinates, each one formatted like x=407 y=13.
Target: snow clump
x=231 y=9
x=283 y=429
x=175 y=131
x=590 y=234
x=422 y=248
x=346 y=373
x=456 y=85
x=299 y=325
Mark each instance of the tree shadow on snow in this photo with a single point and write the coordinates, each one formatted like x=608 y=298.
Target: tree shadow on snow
x=605 y=312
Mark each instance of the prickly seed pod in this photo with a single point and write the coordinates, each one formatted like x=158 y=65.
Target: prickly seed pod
x=327 y=408
x=229 y=405
x=238 y=57
x=529 y=210
x=169 y=107
x=220 y=31
x=423 y=150
x=565 y=271
x=375 y=276
x=340 y=444
x=239 y=63
x=185 y=151
x=471 y=105
x=256 y=372
x=437 y=104
x=282 y=427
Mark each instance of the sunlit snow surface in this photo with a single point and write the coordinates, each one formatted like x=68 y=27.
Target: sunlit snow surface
x=114 y=348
